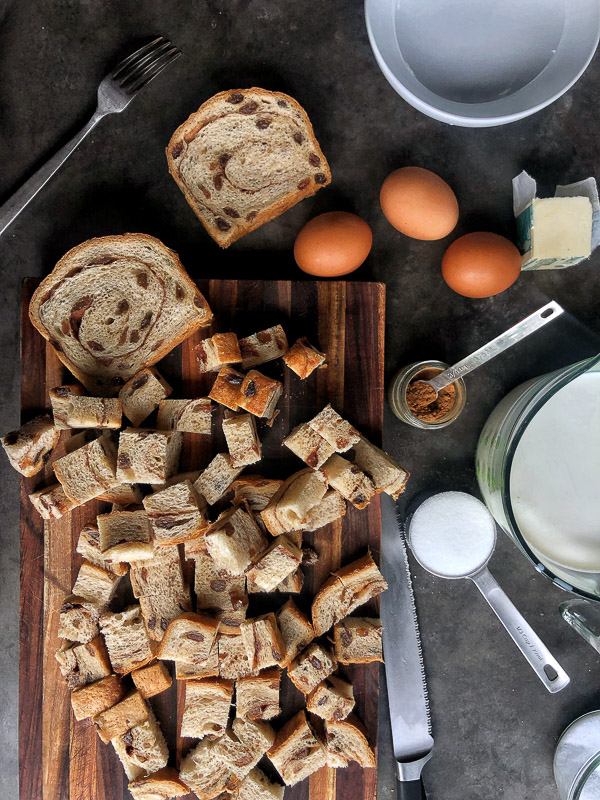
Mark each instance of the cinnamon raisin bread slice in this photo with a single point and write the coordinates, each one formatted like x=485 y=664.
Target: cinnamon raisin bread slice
x=124 y=715
x=143 y=748
x=88 y=471
x=125 y=536
x=308 y=445
x=358 y=640
x=257 y=696
x=219 y=592
x=78 y=620
x=72 y=410
x=174 y=514
x=350 y=481
x=160 y=785
x=254 y=490
x=311 y=667
x=216 y=479
x=187 y=416
x=263 y=346
x=297 y=752
x=114 y=305
x=303 y=358
x=263 y=641
x=333 y=427
x=233 y=657
x=147 y=456
x=88 y=545
x=51 y=502
x=333 y=699
x=30 y=447
x=245 y=157
x=142 y=394
x=92 y=699
x=242 y=440
x=206 y=709
x=81 y=664
x=212 y=353
x=96 y=584
x=386 y=474
x=190 y=638
x=234 y=541
x=127 y=641
x=209 y=668
x=296 y=630
x=275 y=564
x=346 y=741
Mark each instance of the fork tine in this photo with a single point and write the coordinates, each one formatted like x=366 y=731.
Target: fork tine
x=135 y=69
x=142 y=51
x=153 y=70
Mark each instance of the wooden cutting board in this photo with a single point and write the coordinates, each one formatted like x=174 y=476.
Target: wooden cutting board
x=61 y=759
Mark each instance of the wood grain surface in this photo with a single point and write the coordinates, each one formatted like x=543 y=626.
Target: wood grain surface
x=61 y=759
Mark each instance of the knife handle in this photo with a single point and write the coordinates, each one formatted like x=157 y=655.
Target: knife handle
x=411 y=790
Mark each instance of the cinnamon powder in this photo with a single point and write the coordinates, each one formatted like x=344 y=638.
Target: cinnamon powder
x=423 y=404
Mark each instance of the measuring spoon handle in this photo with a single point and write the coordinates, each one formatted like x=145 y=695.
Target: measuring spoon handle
x=498 y=345
x=545 y=666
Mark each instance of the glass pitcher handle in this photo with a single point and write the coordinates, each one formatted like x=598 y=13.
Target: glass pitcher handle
x=584 y=617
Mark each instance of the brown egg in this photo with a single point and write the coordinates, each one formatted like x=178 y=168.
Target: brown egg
x=332 y=244
x=481 y=264
x=419 y=203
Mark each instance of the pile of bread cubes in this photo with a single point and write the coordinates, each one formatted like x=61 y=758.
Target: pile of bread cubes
x=113 y=660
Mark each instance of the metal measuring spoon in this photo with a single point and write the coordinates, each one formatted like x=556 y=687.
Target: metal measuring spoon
x=453 y=535
x=498 y=345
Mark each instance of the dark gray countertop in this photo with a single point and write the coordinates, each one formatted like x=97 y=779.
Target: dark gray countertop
x=495 y=726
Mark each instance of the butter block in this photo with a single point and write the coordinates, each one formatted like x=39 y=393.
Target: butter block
x=561 y=228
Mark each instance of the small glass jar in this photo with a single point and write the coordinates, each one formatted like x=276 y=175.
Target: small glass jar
x=425 y=370
x=577 y=759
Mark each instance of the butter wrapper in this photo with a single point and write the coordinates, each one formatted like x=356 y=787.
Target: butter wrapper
x=524 y=193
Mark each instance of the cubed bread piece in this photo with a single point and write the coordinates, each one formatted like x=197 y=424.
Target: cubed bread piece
x=234 y=541
x=244 y=745
x=259 y=395
x=190 y=637
x=386 y=474
x=263 y=641
x=263 y=346
x=216 y=351
x=161 y=575
x=254 y=490
x=216 y=478
x=256 y=786
x=72 y=410
x=125 y=536
x=275 y=564
x=179 y=477
x=87 y=701
x=160 y=785
x=125 y=494
x=142 y=749
x=309 y=446
x=332 y=699
x=331 y=508
x=174 y=514
x=78 y=620
x=296 y=631
x=233 y=657
x=209 y=668
x=227 y=387
x=358 y=640
x=207 y=775
x=141 y=395
x=303 y=358
x=81 y=664
x=187 y=416
x=297 y=752
x=151 y=680
x=147 y=456
x=335 y=429
x=242 y=440
x=346 y=741
x=88 y=471
x=120 y=718
x=311 y=667
x=257 y=696
x=289 y=507
x=350 y=481
x=95 y=584
x=206 y=709
x=219 y=592
x=159 y=610
x=345 y=591
x=88 y=545
x=127 y=640
x=51 y=502
x=30 y=447
x=293 y=583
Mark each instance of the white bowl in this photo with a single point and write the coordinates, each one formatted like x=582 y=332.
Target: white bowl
x=479 y=63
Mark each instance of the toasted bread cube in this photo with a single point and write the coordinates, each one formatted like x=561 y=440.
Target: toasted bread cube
x=254 y=490
x=275 y=564
x=346 y=742
x=358 y=640
x=120 y=718
x=335 y=429
x=242 y=440
x=245 y=745
x=331 y=508
x=88 y=545
x=259 y=395
x=51 y=502
x=206 y=710
x=161 y=575
x=88 y=471
x=95 y=584
x=386 y=474
x=81 y=664
x=297 y=752
x=263 y=346
x=125 y=536
x=234 y=541
x=289 y=507
x=141 y=395
x=256 y=786
x=296 y=631
x=72 y=410
x=30 y=447
x=87 y=701
x=218 y=591
x=78 y=620
x=332 y=699
x=257 y=696
x=263 y=641
x=147 y=456
x=216 y=478
x=349 y=480
x=311 y=667
x=151 y=680
x=125 y=494
x=127 y=640
x=174 y=514
x=209 y=668
x=303 y=358
x=190 y=638
x=233 y=657
x=227 y=387
x=142 y=749
x=292 y=584
x=309 y=446
x=216 y=351
x=206 y=774
x=159 y=785
x=159 y=610
x=187 y=416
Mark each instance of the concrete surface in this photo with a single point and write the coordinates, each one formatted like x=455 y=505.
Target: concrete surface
x=495 y=726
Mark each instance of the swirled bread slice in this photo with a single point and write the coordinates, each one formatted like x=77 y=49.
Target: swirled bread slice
x=114 y=305
x=245 y=157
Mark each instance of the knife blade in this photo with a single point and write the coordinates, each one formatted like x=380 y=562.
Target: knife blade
x=404 y=670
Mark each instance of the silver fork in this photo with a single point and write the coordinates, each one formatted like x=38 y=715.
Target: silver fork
x=115 y=92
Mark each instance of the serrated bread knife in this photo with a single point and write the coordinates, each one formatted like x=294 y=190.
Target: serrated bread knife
x=404 y=671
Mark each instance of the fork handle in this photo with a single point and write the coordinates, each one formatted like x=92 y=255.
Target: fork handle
x=13 y=207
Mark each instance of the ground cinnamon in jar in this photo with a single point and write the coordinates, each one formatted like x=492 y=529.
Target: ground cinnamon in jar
x=422 y=402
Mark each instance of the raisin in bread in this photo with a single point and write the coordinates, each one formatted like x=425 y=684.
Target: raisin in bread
x=311 y=667
x=245 y=157
x=358 y=640
x=114 y=305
